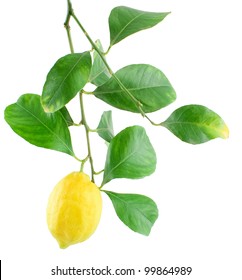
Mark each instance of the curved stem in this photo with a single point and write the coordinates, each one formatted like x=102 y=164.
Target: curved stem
x=87 y=135
x=88 y=92
x=78 y=159
x=83 y=163
x=67 y=25
x=153 y=123
x=99 y=172
x=107 y=51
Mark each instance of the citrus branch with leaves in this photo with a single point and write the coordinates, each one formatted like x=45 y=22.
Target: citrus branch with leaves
x=44 y=120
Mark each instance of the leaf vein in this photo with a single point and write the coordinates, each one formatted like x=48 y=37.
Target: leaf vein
x=121 y=31
x=137 y=209
x=194 y=124
x=69 y=72
x=51 y=131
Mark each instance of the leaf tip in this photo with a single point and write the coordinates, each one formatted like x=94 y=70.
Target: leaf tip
x=46 y=108
x=225 y=132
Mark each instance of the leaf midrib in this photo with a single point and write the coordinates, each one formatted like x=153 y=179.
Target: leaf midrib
x=56 y=135
x=98 y=74
x=107 y=179
x=121 y=31
x=192 y=123
x=121 y=162
x=131 y=89
x=126 y=203
x=69 y=72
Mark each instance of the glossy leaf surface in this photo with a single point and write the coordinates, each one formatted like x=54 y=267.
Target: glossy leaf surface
x=66 y=115
x=130 y=155
x=138 y=212
x=65 y=79
x=99 y=73
x=105 y=127
x=124 y=21
x=196 y=124
x=48 y=130
x=145 y=82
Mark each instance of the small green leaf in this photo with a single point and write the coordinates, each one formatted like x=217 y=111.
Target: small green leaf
x=68 y=76
x=66 y=115
x=48 y=130
x=145 y=82
x=99 y=73
x=138 y=212
x=196 y=124
x=105 y=127
x=124 y=21
x=130 y=155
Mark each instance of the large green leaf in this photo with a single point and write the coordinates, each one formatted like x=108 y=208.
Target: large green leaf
x=138 y=212
x=99 y=73
x=68 y=76
x=124 y=21
x=196 y=124
x=48 y=130
x=145 y=82
x=130 y=155
x=105 y=126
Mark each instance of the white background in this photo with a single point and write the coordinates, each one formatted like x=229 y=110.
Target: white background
x=197 y=188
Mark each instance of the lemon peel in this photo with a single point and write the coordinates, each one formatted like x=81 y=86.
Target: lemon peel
x=74 y=209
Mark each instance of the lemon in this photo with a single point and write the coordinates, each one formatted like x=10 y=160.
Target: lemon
x=74 y=209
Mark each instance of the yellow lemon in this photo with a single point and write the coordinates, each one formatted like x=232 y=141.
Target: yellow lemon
x=74 y=209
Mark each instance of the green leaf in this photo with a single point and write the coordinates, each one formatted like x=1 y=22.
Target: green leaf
x=66 y=115
x=68 y=76
x=99 y=73
x=124 y=21
x=145 y=82
x=196 y=124
x=130 y=155
x=105 y=127
x=138 y=212
x=48 y=130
